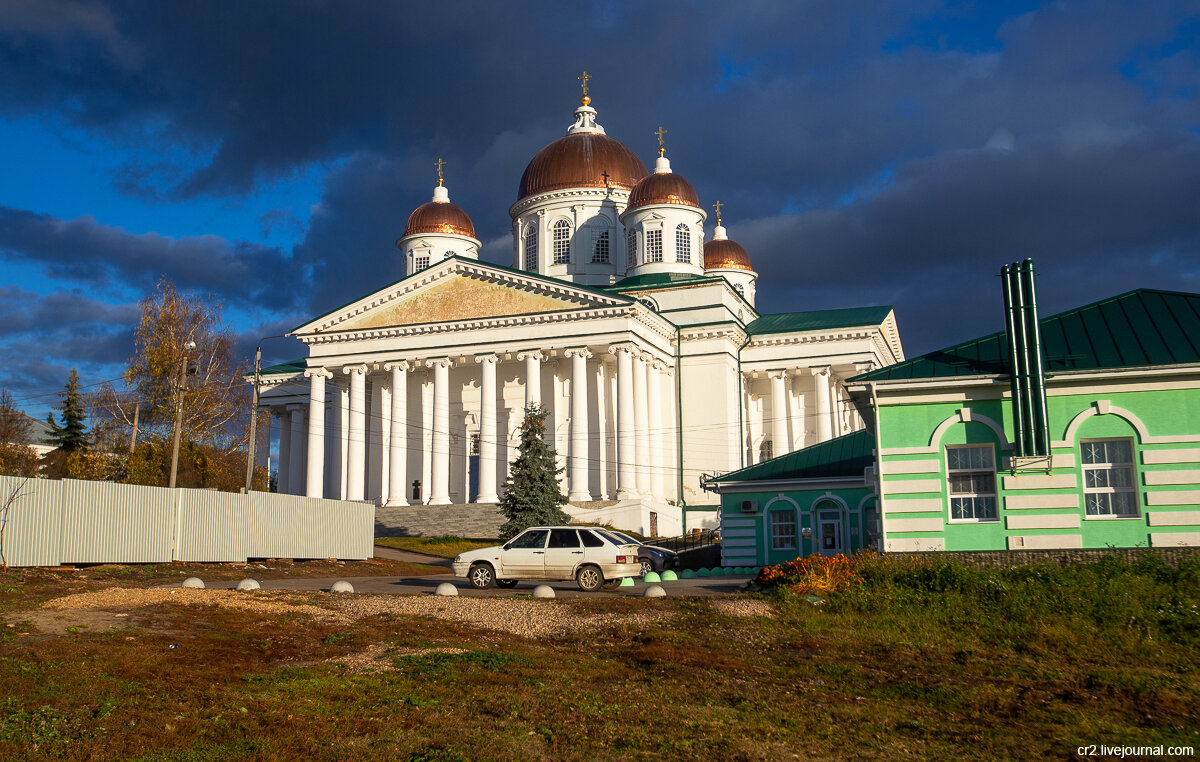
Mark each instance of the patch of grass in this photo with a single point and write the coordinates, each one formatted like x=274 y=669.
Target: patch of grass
x=445 y=546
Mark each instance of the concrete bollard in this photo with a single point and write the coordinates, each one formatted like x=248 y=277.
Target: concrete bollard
x=655 y=591
x=669 y=576
x=626 y=582
x=195 y=582
x=248 y=584
x=652 y=577
x=543 y=591
x=446 y=588
x=342 y=586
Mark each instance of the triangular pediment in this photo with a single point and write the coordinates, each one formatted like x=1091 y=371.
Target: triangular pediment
x=460 y=290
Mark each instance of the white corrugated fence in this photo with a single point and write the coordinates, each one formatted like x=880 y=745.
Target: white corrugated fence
x=44 y=522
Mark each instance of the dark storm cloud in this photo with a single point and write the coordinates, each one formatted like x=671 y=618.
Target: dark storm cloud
x=1100 y=213
x=85 y=251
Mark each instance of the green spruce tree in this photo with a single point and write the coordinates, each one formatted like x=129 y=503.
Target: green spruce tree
x=71 y=436
x=531 y=493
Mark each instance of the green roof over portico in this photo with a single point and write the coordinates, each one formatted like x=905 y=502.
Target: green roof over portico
x=818 y=320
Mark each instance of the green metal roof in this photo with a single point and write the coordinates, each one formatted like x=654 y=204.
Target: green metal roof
x=1136 y=329
x=285 y=368
x=661 y=280
x=817 y=320
x=847 y=455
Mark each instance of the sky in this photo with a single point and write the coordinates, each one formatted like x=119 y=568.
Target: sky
x=266 y=155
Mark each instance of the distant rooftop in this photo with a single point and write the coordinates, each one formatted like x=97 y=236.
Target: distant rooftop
x=1140 y=328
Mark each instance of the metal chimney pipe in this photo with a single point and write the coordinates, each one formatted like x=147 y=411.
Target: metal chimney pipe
x=1013 y=358
x=1037 y=403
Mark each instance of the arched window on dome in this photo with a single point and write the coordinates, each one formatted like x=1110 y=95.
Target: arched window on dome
x=631 y=247
x=653 y=245
x=562 y=242
x=601 y=252
x=683 y=244
x=531 y=248
x=451 y=254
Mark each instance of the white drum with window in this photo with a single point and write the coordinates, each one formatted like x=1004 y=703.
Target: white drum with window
x=1109 y=490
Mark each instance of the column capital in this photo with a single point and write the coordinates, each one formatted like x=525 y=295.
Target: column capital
x=532 y=354
x=440 y=362
x=660 y=365
x=398 y=365
x=491 y=357
x=360 y=370
x=322 y=372
x=821 y=370
x=583 y=352
x=616 y=349
x=864 y=367
x=778 y=374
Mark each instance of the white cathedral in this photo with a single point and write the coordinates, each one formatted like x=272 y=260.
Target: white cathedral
x=641 y=341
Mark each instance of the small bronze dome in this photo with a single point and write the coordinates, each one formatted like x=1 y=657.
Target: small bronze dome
x=582 y=160
x=724 y=253
x=439 y=217
x=663 y=188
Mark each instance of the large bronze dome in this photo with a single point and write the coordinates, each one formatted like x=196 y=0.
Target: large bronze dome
x=582 y=160
x=663 y=188
x=439 y=217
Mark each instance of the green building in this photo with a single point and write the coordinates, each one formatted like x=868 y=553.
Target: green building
x=1101 y=448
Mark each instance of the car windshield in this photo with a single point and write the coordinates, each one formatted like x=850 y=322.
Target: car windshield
x=533 y=538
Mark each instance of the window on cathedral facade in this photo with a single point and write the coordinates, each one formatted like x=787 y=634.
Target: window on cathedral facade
x=653 y=245
x=683 y=244
x=631 y=246
x=531 y=248
x=601 y=252
x=562 y=242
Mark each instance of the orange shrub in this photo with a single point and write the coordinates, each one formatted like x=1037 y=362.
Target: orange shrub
x=816 y=575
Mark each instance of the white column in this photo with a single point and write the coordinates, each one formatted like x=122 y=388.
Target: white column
x=533 y=377
x=285 y=453
x=333 y=441
x=343 y=401
x=398 y=450
x=579 y=425
x=357 y=433
x=821 y=377
x=439 y=476
x=315 y=483
x=641 y=418
x=487 y=429
x=655 y=433
x=296 y=468
x=780 y=443
x=626 y=455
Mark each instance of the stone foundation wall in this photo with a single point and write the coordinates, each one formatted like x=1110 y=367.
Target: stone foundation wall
x=981 y=559
x=476 y=521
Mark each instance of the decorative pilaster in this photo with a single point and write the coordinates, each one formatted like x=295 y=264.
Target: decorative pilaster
x=487 y=429
x=398 y=446
x=439 y=476
x=579 y=491
x=626 y=436
x=357 y=433
x=654 y=423
x=315 y=483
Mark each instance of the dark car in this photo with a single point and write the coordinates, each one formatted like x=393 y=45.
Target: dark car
x=652 y=557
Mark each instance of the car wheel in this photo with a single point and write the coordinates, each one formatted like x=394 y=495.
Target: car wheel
x=506 y=583
x=589 y=579
x=481 y=576
x=647 y=566
x=612 y=584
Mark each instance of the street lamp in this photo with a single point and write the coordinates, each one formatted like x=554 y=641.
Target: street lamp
x=254 y=411
x=188 y=347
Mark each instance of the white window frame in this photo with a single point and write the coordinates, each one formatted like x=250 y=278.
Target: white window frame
x=951 y=495
x=653 y=253
x=1131 y=489
x=602 y=248
x=789 y=516
x=560 y=238
x=420 y=262
x=531 y=248
x=683 y=244
x=631 y=248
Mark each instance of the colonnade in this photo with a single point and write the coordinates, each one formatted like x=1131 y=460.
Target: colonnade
x=643 y=435
x=786 y=424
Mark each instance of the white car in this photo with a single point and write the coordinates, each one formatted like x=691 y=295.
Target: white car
x=591 y=557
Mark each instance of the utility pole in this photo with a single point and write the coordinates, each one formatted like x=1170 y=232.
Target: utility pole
x=133 y=439
x=188 y=347
x=254 y=412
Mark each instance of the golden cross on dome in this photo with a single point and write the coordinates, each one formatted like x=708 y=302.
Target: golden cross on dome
x=439 y=164
x=585 y=100
x=718 y=206
x=660 y=132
